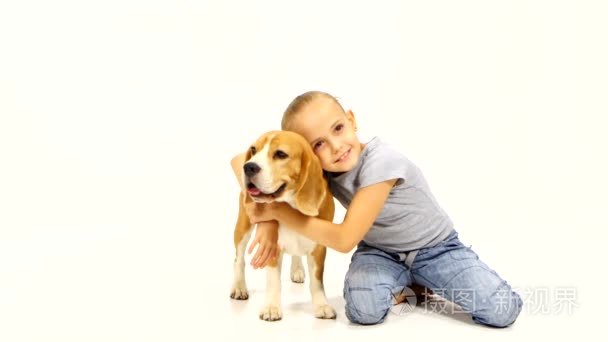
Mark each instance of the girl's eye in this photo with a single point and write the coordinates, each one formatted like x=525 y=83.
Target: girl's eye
x=317 y=145
x=280 y=154
x=339 y=127
x=252 y=149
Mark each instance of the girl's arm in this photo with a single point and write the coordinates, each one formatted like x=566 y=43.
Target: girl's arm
x=343 y=237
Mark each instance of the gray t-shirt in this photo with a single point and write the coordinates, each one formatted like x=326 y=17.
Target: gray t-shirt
x=411 y=218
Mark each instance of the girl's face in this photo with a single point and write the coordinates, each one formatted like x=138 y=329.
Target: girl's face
x=331 y=133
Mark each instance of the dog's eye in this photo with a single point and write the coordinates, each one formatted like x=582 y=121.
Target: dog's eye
x=280 y=154
x=252 y=149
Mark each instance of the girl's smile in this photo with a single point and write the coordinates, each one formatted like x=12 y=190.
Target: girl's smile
x=344 y=156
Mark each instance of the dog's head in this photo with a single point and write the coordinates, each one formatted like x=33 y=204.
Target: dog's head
x=281 y=166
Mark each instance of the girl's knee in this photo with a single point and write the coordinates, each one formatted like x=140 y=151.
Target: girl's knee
x=500 y=310
x=365 y=305
x=368 y=288
x=363 y=318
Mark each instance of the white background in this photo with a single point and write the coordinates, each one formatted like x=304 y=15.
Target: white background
x=118 y=120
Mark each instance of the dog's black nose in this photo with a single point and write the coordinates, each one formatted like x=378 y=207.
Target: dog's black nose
x=251 y=169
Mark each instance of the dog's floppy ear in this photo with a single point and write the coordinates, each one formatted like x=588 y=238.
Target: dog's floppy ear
x=310 y=190
x=247 y=154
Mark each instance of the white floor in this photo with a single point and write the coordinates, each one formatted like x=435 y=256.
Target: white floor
x=156 y=283
x=435 y=320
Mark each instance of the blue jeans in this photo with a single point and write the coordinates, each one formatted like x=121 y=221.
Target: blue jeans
x=449 y=269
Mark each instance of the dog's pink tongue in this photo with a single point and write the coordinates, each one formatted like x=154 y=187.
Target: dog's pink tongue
x=254 y=191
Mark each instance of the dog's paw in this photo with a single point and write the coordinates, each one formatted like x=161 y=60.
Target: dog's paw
x=325 y=312
x=297 y=275
x=271 y=313
x=239 y=293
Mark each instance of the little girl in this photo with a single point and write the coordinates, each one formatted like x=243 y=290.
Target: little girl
x=401 y=233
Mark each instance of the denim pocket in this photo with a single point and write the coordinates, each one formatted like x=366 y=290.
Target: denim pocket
x=463 y=254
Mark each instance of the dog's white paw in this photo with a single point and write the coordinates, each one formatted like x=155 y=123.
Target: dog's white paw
x=271 y=313
x=239 y=292
x=297 y=275
x=325 y=312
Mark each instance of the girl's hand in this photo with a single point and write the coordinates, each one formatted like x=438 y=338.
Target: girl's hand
x=266 y=237
x=260 y=212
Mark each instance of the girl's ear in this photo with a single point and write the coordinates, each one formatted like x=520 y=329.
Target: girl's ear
x=350 y=116
x=310 y=188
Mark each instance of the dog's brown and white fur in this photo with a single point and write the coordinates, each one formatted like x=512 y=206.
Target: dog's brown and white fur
x=281 y=166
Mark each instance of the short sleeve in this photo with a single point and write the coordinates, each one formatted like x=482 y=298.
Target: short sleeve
x=382 y=164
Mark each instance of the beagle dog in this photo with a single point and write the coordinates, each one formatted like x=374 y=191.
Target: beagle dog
x=281 y=166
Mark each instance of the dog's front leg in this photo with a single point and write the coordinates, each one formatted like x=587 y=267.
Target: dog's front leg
x=242 y=232
x=272 y=309
x=239 y=285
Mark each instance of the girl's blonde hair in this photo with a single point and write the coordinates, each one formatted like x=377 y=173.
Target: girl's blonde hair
x=300 y=102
